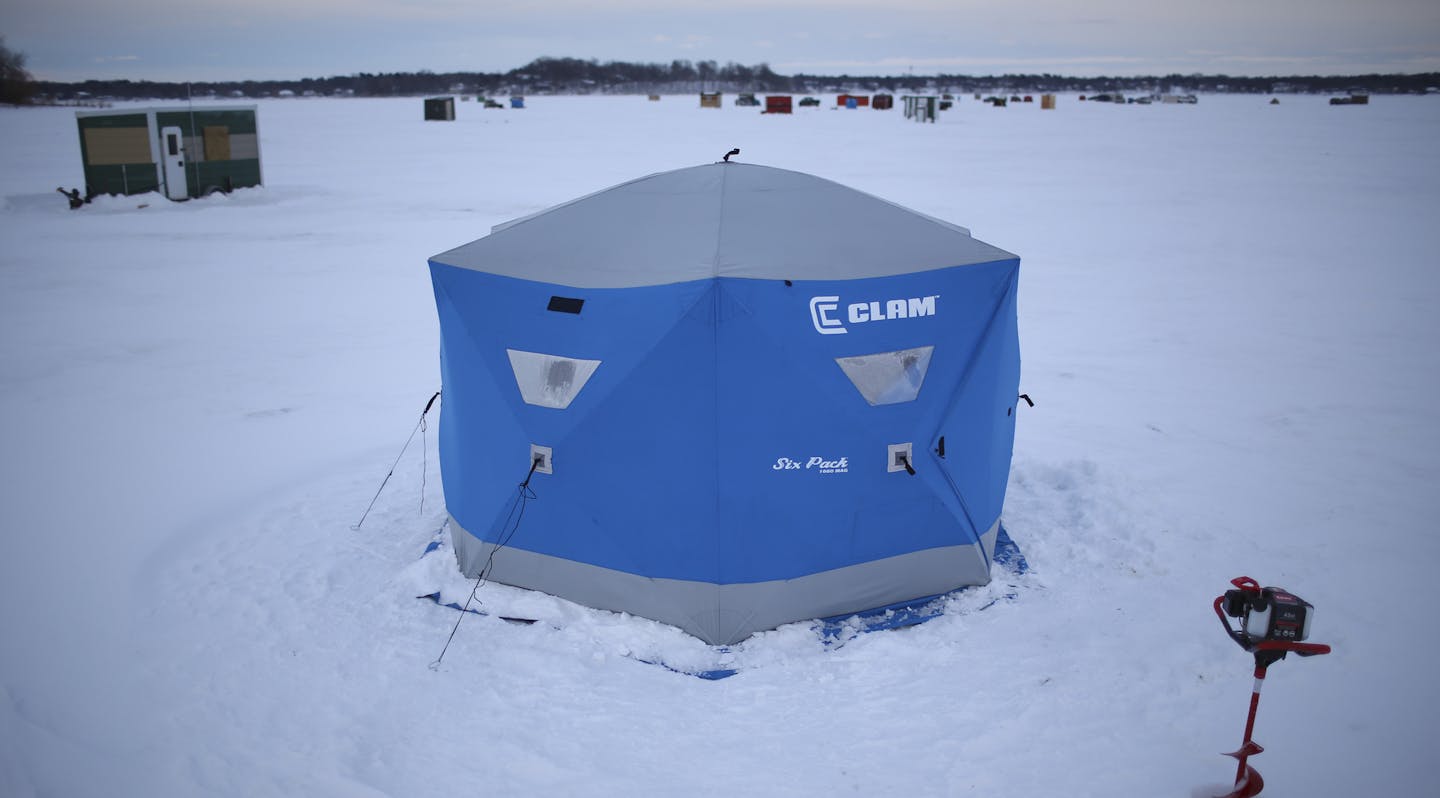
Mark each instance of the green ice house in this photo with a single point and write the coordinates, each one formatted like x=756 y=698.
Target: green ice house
x=181 y=152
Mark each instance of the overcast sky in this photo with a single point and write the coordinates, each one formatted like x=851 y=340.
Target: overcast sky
x=178 y=40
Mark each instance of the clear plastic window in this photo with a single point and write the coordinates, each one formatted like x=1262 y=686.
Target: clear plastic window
x=550 y=380
x=888 y=378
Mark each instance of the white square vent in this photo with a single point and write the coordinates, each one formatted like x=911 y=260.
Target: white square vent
x=541 y=458
x=898 y=455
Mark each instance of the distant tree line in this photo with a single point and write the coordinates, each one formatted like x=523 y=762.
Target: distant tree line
x=16 y=85
x=579 y=76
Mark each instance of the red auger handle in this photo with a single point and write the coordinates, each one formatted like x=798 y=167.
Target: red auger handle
x=1246 y=583
x=1303 y=649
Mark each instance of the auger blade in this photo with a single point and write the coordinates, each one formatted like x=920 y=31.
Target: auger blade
x=1250 y=748
x=1248 y=786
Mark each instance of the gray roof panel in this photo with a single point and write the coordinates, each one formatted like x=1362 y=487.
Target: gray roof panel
x=720 y=220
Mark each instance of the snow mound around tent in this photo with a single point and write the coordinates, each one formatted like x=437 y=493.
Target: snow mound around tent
x=434 y=578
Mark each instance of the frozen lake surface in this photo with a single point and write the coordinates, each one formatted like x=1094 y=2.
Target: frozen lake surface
x=1228 y=324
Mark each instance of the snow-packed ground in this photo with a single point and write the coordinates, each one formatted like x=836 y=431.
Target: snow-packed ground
x=1228 y=322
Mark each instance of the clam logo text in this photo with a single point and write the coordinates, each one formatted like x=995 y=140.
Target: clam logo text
x=820 y=464
x=822 y=308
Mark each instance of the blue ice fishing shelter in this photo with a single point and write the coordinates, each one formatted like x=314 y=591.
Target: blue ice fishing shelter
x=755 y=396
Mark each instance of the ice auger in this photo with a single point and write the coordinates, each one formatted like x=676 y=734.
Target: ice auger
x=1273 y=622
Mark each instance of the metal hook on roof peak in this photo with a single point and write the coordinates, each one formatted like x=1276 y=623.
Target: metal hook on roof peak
x=735 y=151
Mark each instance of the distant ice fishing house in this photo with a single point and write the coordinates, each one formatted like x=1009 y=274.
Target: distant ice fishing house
x=777 y=104
x=921 y=109
x=440 y=109
x=181 y=152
